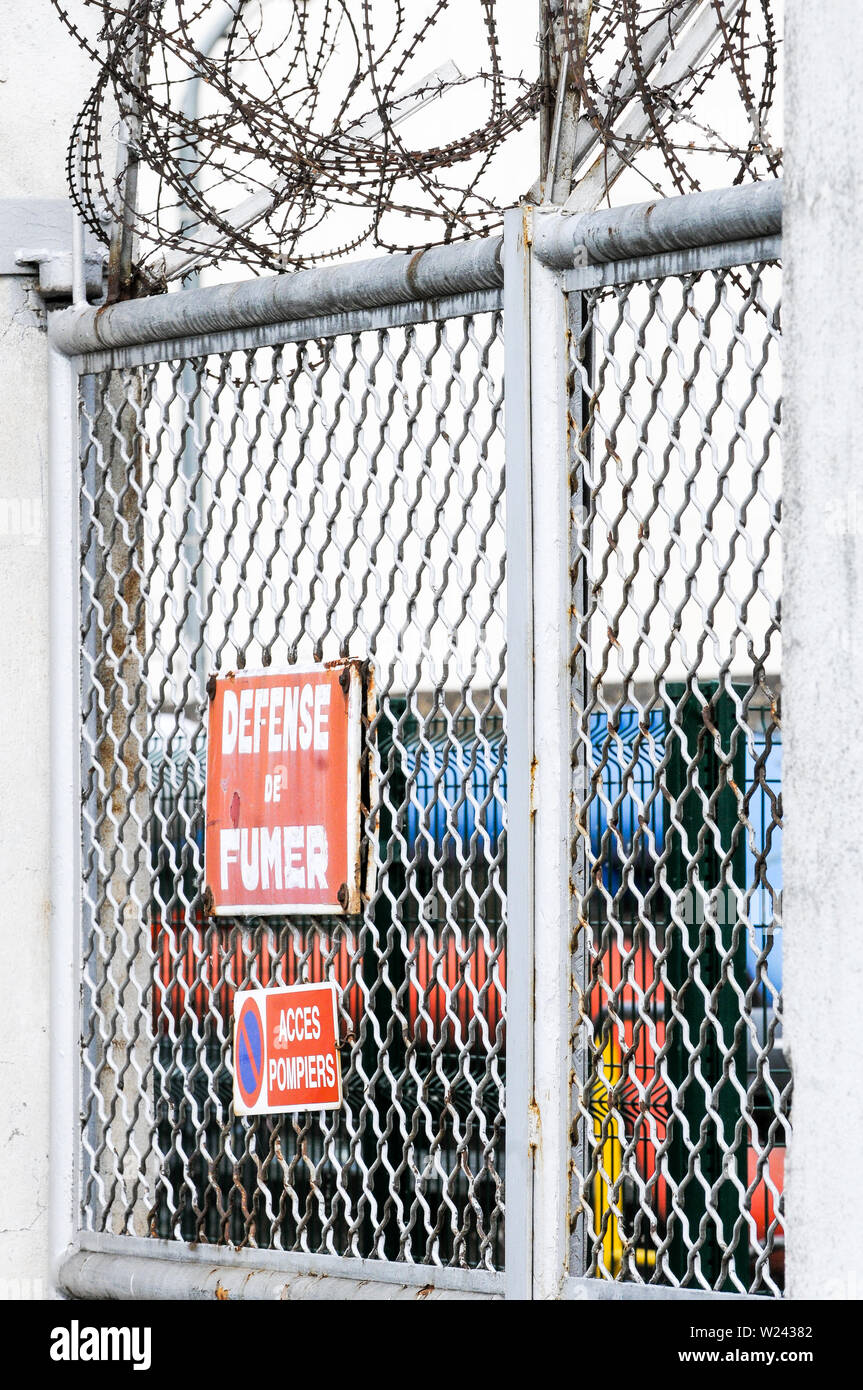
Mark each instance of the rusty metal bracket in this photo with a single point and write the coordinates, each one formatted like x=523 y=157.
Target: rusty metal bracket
x=55 y=272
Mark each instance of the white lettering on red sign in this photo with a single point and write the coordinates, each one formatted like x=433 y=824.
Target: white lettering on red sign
x=286 y=1054
x=283 y=822
x=294 y=718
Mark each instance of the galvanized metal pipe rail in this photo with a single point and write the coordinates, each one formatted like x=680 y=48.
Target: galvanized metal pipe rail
x=123 y=1268
x=667 y=224
x=560 y=241
x=436 y=273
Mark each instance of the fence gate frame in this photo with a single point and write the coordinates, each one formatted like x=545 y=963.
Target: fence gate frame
x=550 y=259
x=394 y=293
x=547 y=257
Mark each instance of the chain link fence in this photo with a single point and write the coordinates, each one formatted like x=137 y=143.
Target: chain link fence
x=681 y=1087
x=338 y=495
x=274 y=494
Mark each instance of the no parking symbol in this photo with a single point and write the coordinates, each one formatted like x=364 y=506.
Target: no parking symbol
x=286 y=1050
x=249 y=1055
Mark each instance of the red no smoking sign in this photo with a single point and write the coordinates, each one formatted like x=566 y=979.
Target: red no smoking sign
x=286 y=1054
x=283 y=791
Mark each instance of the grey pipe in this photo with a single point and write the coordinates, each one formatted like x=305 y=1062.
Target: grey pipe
x=698 y=219
x=433 y=274
x=90 y=1274
x=665 y=224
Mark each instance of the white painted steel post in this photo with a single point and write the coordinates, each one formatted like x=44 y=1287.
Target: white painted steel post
x=823 y=646
x=551 y=781
x=538 y=768
x=519 y=715
x=64 y=608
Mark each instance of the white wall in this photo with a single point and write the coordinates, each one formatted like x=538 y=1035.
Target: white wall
x=43 y=81
x=823 y=644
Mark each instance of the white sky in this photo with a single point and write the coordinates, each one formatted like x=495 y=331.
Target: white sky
x=457 y=37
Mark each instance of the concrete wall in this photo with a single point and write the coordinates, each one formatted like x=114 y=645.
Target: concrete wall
x=823 y=644
x=43 y=81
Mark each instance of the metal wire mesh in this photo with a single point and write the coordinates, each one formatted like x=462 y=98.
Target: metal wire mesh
x=681 y=1090
x=342 y=495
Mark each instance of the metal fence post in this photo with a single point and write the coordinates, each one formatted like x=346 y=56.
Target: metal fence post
x=519 y=607
x=551 y=779
x=540 y=915
x=65 y=803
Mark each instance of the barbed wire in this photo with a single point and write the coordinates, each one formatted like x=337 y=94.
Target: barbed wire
x=606 y=42
x=280 y=134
